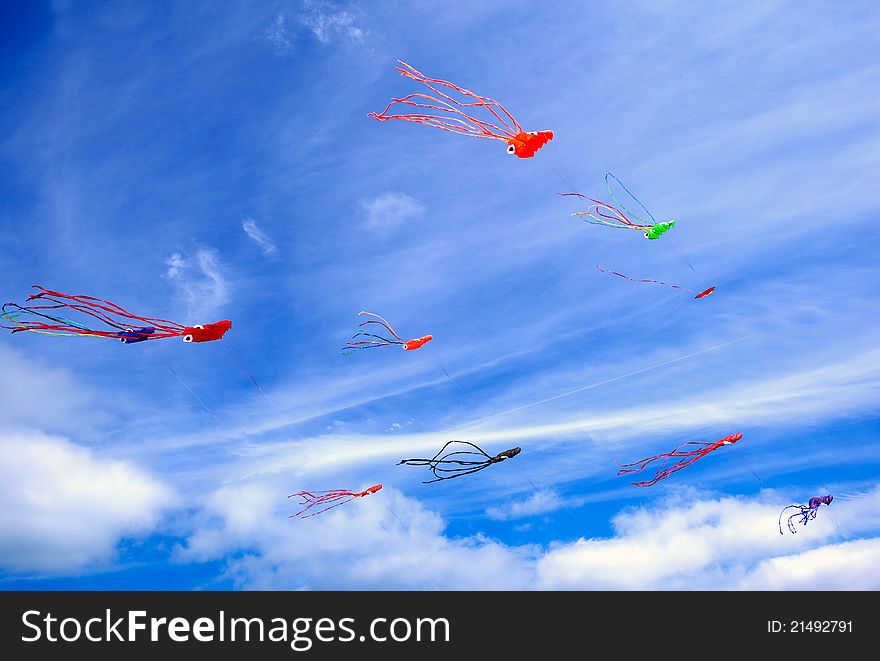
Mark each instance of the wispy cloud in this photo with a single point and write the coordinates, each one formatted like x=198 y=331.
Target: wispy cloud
x=834 y=390
x=278 y=34
x=322 y=20
x=328 y=24
x=199 y=279
x=176 y=266
x=542 y=501
x=391 y=210
x=259 y=237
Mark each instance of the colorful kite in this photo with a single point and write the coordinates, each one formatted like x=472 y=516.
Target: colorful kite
x=50 y=317
x=702 y=294
x=446 y=468
x=380 y=341
x=685 y=459
x=448 y=113
x=338 y=496
x=806 y=512
x=602 y=213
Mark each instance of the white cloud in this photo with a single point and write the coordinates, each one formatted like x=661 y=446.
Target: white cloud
x=540 y=502
x=36 y=390
x=846 y=566
x=383 y=541
x=259 y=237
x=62 y=509
x=391 y=210
x=388 y=541
x=724 y=543
x=200 y=281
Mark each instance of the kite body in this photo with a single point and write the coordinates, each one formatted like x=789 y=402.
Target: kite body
x=418 y=343
x=525 y=145
x=655 y=231
x=206 y=332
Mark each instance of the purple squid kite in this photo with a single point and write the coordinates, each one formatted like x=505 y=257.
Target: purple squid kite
x=806 y=512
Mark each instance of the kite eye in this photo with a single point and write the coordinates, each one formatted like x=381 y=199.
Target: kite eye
x=533 y=133
x=122 y=339
x=646 y=235
x=188 y=338
x=199 y=326
x=511 y=149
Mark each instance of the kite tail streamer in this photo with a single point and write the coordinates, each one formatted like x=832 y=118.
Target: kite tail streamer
x=656 y=282
x=446 y=105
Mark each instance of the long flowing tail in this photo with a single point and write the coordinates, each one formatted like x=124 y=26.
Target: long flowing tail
x=444 y=111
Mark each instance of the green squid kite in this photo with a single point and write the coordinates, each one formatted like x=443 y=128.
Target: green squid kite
x=602 y=213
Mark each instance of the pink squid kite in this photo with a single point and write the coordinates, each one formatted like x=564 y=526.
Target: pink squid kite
x=447 y=113
x=685 y=459
x=338 y=496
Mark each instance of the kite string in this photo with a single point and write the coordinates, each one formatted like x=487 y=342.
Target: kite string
x=744 y=451
x=227 y=343
x=562 y=172
x=192 y=392
x=557 y=169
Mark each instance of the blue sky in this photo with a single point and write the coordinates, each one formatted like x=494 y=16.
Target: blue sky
x=202 y=161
